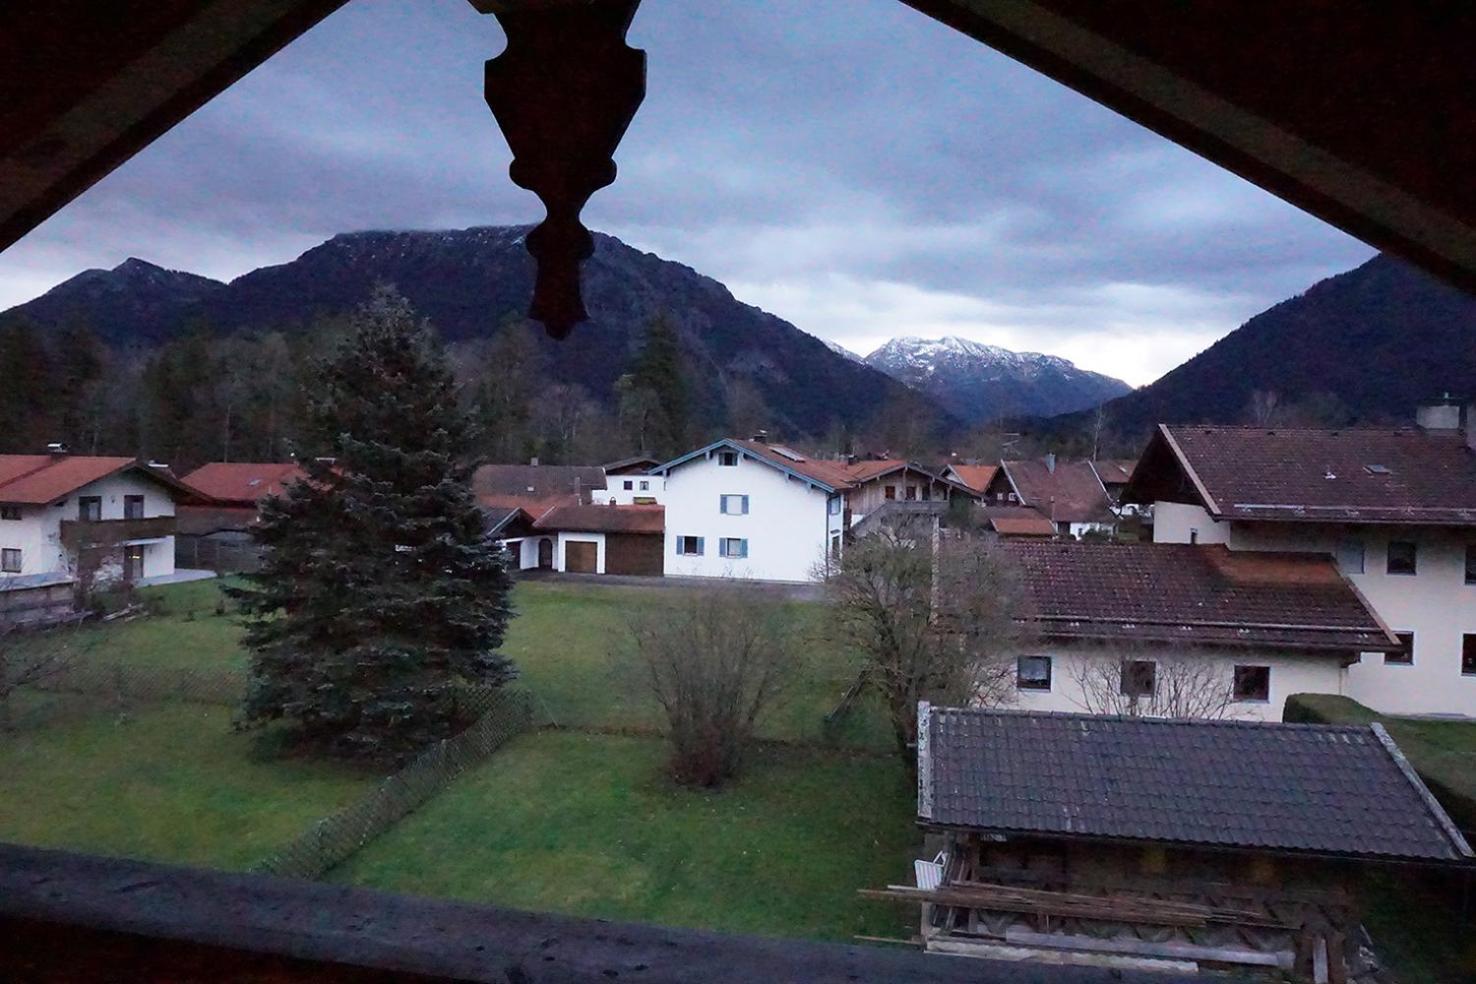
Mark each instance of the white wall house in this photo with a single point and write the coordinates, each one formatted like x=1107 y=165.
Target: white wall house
x=59 y=513
x=1396 y=510
x=1184 y=631
x=745 y=509
x=631 y=490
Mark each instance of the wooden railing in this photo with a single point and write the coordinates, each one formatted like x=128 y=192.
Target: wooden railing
x=106 y=532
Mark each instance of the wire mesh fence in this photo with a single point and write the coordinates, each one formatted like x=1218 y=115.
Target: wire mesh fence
x=503 y=714
x=148 y=684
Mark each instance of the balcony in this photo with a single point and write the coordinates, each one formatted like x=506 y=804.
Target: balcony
x=77 y=533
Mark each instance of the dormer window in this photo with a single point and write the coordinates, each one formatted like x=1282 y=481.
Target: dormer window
x=728 y=459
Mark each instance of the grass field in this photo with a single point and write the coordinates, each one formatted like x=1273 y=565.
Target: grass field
x=167 y=782
x=586 y=824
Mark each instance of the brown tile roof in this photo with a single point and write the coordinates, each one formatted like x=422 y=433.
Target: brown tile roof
x=533 y=505
x=1322 y=789
x=1115 y=471
x=539 y=481
x=38 y=479
x=835 y=474
x=1195 y=595
x=1069 y=493
x=243 y=482
x=1403 y=475
x=1018 y=521
x=604 y=519
x=976 y=477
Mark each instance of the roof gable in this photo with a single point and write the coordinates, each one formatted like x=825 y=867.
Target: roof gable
x=37 y=480
x=827 y=476
x=1318 y=789
x=1069 y=492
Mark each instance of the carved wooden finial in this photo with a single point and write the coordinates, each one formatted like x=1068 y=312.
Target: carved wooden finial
x=563 y=92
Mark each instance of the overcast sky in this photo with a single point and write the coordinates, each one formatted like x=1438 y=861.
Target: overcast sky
x=849 y=165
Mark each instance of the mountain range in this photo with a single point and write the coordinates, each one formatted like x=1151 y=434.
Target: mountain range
x=1365 y=346
x=978 y=382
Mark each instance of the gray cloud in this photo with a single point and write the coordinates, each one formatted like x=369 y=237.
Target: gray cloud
x=848 y=164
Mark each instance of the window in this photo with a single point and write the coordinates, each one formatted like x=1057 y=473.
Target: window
x=732 y=546
x=629 y=484
x=835 y=505
x=728 y=459
x=1139 y=677
x=14 y=512
x=89 y=507
x=911 y=492
x=1350 y=555
x=1468 y=654
x=891 y=492
x=1033 y=673
x=733 y=505
x=689 y=546
x=1405 y=657
x=1403 y=555
x=1470 y=562
x=645 y=486
x=133 y=507
x=10 y=561
x=1253 y=683
x=927 y=493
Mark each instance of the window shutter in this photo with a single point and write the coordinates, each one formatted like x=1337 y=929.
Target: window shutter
x=699 y=546
x=722 y=503
x=743 y=545
x=745 y=505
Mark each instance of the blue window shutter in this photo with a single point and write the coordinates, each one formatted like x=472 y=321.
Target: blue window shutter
x=743 y=547
x=721 y=502
x=699 y=546
x=745 y=505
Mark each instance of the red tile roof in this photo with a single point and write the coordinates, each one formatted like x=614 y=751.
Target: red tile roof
x=1205 y=595
x=604 y=519
x=1402 y=475
x=835 y=474
x=38 y=479
x=1069 y=493
x=1115 y=471
x=243 y=482
x=1018 y=521
x=976 y=477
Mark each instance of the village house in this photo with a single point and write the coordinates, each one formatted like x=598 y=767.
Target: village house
x=215 y=534
x=748 y=509
x=1184 y=631
x=975 y=478
x=72 y=522
x=1141 y=842
x=1068 y=493
x=1395 y=507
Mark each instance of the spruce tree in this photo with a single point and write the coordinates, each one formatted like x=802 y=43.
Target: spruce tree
x=380 y=597
x=659 y=371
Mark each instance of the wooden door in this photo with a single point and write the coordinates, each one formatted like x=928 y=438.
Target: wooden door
x=133 y=563
x=545 y=553
x=580 y=557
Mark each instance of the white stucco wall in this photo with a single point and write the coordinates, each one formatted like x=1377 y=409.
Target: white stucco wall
x=787 y=525
x=38 y=532
x=1173 y=522
x=615 y=493
x=1290 y=674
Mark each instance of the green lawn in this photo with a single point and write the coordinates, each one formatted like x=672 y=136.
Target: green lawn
x=586 y=824
x=169 y=783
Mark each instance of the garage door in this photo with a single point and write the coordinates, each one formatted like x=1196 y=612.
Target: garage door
x=634 y=553
x=580 y=556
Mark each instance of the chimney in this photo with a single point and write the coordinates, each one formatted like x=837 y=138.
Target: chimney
x=533 y=461
x=56 y=449
x=1050 y=462
x=761 y=437
x=1442 y=415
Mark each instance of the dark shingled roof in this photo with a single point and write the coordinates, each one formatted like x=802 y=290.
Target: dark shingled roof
x=604 y=519
x=1070 y=492
x=1403 y=475
x=1321 y=789
x=1205 y=595
x=539 y=481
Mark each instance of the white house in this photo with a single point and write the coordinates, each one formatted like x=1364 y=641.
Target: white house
x=748 y=509
x=69 y=518
x=1396 y=508
x=1184 y=631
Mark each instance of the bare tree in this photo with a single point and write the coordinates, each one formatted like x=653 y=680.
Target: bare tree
x=715 y=659
x=1180 y=685
x=933 y=617
x=1262 y=409
x=27 y=659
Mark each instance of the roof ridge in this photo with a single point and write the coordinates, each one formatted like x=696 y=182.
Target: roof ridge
x=1155 y=721
x=1442 y=819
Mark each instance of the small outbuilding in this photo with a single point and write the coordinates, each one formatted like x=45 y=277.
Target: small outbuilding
x=1173 y=843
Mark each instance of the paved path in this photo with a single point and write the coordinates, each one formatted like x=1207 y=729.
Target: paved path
x=180 y=576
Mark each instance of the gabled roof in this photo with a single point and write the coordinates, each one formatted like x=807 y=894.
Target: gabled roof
x=635 y=465
x=1068 y=493
x=974 y=477
x=539 y=481
x=1343 y=791
x=1018 y=521
x=243 y=482
x=1352 y=475
x=827 y=476
x=1195 y=595
x=39 y=479
x=1114 y=471
x=604 y=519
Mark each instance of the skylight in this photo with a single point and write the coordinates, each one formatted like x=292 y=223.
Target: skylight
x=786 y=453
x=1378 y=469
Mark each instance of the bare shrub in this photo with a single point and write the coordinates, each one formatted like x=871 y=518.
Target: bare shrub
x=934 y=618
x=715 y=659
x=1180 y=685
x=29 y=658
